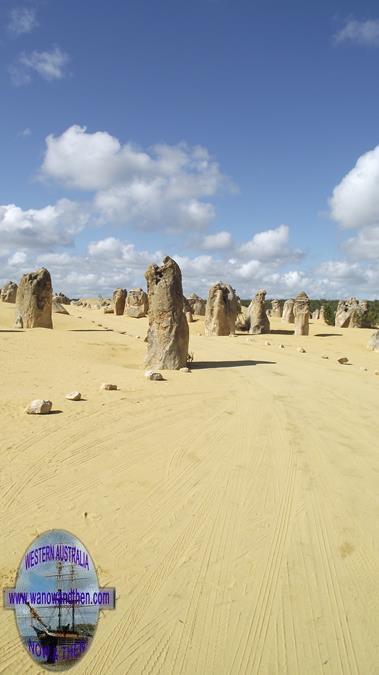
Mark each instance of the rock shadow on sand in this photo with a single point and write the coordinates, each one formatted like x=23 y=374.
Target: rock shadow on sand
x=200 y=365
x=328 y=335
x=281 y=331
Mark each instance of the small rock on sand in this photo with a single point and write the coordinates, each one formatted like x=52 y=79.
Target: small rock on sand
x=324 y=356
x=184 y=370
x=151 y=375
x=281 y=346
x=267 y=343
x=74 y=396
x=39 y=407
x=343 y=360
x=301 y=350
x=108 y=387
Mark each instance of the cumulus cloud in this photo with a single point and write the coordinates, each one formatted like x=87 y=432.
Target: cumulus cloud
x=50 y=65
x=355 y=200
x=55 y=224
x=122 y=253
x=18 y=258
x=342 y=278
x=365 y=246
x=110 y=263
x=359 y=32
x=270 y=244
x=167 y=187
x=217 y=242
x=22 y=20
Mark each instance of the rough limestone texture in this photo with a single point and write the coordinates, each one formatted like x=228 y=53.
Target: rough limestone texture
x=373 y=343
x=316 y=314
x=187 y=309
x=259 y=322
x=276 y=309
x=62 y=299
x=9 y=292
x=74 y=396
x=242 y=320
x=168 y=334
x=322 y=313
x=119 y=299
x=57 y=308
x=288 y=315
x=221 y=310
x=352 y=314
x=301 y=312
x=39 y=407
x=137 y=303
x=198 y=305
x=34 y=299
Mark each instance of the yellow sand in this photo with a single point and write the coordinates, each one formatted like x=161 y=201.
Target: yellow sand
x=234 y=508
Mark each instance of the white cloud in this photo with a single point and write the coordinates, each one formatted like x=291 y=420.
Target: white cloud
x=250 y=270
x=122 y=252
x=341 y=270
x=365 y=245
x=111 y=263
x=57 y=259
x=355 y=200
x=22 y=20
x=167 y=187
x=51 y=225
x=359 y=32
x=18 y=258
x=342 y=279
x=270 y=244
x=217 y=242
x=50 y=65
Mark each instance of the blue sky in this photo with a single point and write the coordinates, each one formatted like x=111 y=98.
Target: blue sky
x=239 y=137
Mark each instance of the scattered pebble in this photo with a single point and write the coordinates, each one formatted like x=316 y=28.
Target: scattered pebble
x=151 y=375
x=74 y=396
x=138 y=337
x=267 y=343
x=324 y=356
x=363 y=369
x=376 y=372
x=39 y=407
x=184 y=370
x=301 y=350
x=343 y=360
x=281 y=346
x=108 y=387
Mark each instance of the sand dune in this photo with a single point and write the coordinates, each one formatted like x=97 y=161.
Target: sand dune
x=234 y=508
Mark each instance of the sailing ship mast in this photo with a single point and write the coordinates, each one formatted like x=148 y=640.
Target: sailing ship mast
x=35 y=615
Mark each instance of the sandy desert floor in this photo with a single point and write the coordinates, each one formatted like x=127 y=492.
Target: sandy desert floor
x=233 y=508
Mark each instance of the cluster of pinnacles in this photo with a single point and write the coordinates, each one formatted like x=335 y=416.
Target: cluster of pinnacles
x=169 y=312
